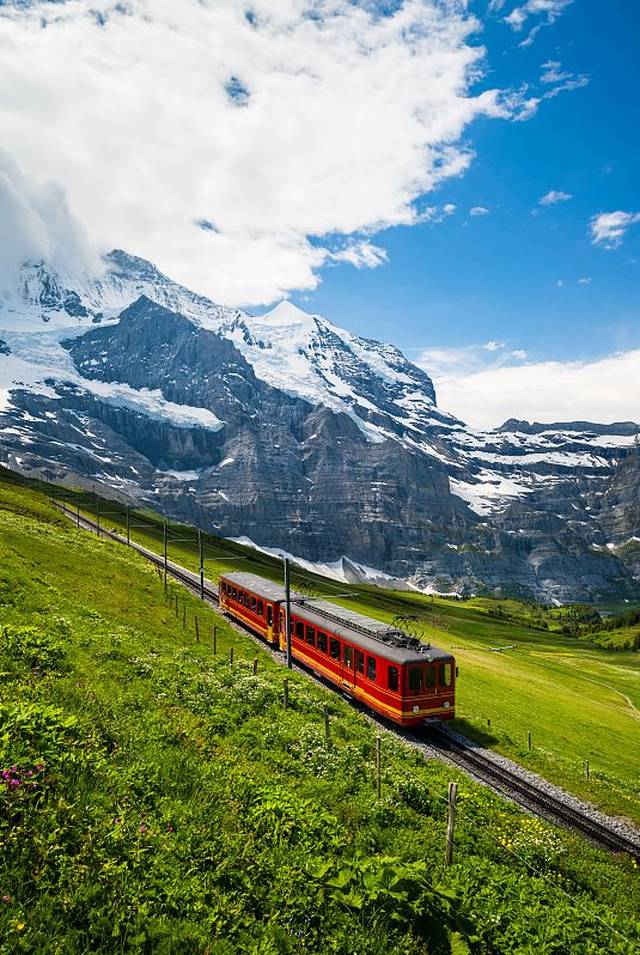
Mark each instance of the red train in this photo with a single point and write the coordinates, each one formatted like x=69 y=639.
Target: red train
x=389 y=671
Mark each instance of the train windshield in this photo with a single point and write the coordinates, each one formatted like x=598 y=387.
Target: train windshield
x=445 y=674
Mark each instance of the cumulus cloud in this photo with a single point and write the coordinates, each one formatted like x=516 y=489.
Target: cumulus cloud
x=553 y=197
x=603 y=390
x=479 y=211
x=227 y=145
x=608 y=229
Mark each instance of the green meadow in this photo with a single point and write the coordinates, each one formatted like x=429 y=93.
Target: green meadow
x=580 y=702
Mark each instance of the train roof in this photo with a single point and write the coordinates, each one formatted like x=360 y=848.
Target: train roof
x=367 y=633
x=260 y=586
x=364 y=632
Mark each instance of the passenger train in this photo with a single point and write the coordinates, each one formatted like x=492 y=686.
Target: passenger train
x=389 y=671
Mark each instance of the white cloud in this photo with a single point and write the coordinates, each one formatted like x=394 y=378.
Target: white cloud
x=553 y=197
x=519 y=354
x=550 y=9
x=362 y=254
x=479 y=211
x=521 y=103
x=307 y=120
x=605 y=390
x=35 y=222
x=585 y=281
x=609 y=228
x=453 y=363
x=560 y=283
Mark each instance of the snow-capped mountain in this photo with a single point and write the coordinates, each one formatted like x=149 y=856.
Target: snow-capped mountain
x=286 y=429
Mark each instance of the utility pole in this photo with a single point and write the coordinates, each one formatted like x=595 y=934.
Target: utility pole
x=164 y=551
x=129 y=524
x=98 y=515
x=201 y=558
x=287 y=591
x=77 y=510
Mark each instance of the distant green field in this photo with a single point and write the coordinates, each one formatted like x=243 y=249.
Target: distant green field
x=155 y=798
x=579 y=702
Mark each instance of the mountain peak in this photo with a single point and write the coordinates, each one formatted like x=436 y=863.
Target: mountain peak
x=286 y=313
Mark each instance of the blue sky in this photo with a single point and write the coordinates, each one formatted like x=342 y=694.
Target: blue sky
x=332 y=151
x=471 y=279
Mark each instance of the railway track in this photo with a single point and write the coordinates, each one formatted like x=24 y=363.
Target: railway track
x=528 y=794
x=455 y=749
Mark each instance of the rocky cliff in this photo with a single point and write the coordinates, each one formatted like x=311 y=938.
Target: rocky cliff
x=296 y=434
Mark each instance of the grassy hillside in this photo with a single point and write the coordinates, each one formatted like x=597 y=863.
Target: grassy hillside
x=155 y=798
x=579 y=702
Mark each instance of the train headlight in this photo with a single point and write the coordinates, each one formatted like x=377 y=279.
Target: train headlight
x=446 y=704
x=416 y=709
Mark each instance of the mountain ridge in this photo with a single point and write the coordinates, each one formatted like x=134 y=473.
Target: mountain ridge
x=334 y=445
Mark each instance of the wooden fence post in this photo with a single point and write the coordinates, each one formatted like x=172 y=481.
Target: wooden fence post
x=231 y=655
x=215 y=640
x=285 y=700
x=451 y=823
x=378 y=768
x=176 y=606
x=327 y=731
x=197 y=631
x=255 y=666
x=184 y=615
x=529 y=740
x=587 y=770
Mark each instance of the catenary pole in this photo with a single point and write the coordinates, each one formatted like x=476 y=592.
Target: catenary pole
x=201 y=559
x=287 y=591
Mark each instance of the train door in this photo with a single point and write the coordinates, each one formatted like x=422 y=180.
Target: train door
x=358 y=667
x=348 y=666
x=270 y=622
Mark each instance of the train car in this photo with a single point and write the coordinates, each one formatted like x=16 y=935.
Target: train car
x=391 y=672
x=254 y=601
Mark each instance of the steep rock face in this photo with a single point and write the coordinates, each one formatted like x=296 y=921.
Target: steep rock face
x=285 y=429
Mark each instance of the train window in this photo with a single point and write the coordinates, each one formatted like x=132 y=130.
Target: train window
x=253 y=604
x=359 y=661
x=261 y=608
x=300 y=629
x=334 y=648
x=348 y=657
x=234 y=593
x=371 y=668
x=322 y=641
x=392 y=678
x=247 y=600
x=415 y=678
x=431 y=678
x=311 y=636
x=269 y=615
x=445 y=674
x=223 y=587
